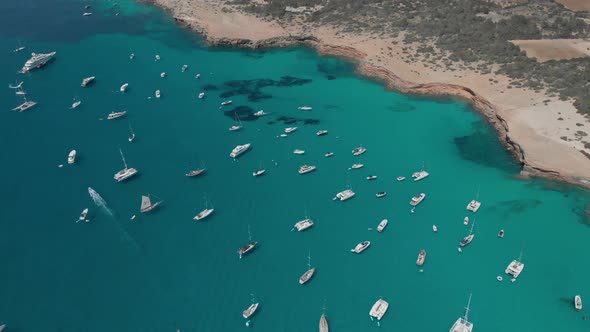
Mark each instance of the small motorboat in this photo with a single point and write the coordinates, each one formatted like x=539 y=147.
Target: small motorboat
x=357 y=166
x=158 y=94
x=198 y=76
x=321 y=132
x=361 y=247
x=578 y=302
x=227 y=102
x=260 y=113
x=371 y=177
x=87 y=14
x=157 y=57
x=184 y=68
x=258 y=172
x=75 y=104
x=131 y=56
x=401 y=178
x=434 y=228
x=382 y=225
x=421 y=258
x=234 y=128
x=298 y=151
x=72 y=157
x=304 y=108
x=201 y=95
x=290 y=130
x=381 y=194
x=329 y=154
x=501 y=233
x=83 y=215
x=465 y=220
x=163 y=74
x=123 y=87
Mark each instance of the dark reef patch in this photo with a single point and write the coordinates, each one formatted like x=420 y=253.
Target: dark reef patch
x=507 y=208
x=210 y=87
x=253 y=88
x=289 y=120
x=334 y=68
x=245 y=113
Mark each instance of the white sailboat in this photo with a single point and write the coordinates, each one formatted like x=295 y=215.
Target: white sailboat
x=131 y=135
x=206 y=212
x=238 y=126
x=305 y=277
x=251 y=309
x=463 y=324
x=76 y=103
x=249 y=247
x=126 y=172
x=147 y=205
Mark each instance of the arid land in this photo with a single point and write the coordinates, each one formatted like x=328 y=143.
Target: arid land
x=539 y=126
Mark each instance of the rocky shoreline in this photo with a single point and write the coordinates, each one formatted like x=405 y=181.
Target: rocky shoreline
x=395 y=83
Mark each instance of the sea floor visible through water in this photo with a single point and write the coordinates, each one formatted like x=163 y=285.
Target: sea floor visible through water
x=164 y=271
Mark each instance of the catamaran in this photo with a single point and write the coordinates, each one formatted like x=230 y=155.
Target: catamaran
x=463 y=324
x=126 y=172
x=382 y=225
x=358 y=151
x=147 y=205
x=361 y=247
x=344 y=195
x=306 y=169
x=87 y=81
x=420 y=174
x=467 y=240
x=115 y=115
x=206 y=212
x=515 y=267
x=417 y=199
x=305 y=277
x=26 y=104
x=239 y=149
x=303 y=224
x=249 y=247
x=72 y=157
x=124 y=87
x=37 y=60
x=474 y=205
x=379 y=309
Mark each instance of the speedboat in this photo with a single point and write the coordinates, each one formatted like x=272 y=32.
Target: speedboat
x=361 y=247
x=157 y=57
x=290 y=130
x=201 y=95
x=258 y=172
x=421 y=258
x=239 y=149
x=379 y=309
x=371 y=177
x=382 y=225
x=198 y=76
x=123 y=87
x=515 y=268
x=25 y=106
x=37 y=60
x=501 y=233
x=83 y=215
x=358 y=151
x=401 y=178
x=473 y=206
x=184 y=68
x=235 y=128
x=357 y=166
x=321 y=132
x=87 y=81
x=250 y=311
x=420 y=175
x=329 y=154
x=227 y=102
x=298 y=151
x=304 y=108
x=195 y=172
x=158 y=94
x=72 y=157
x=163 y=74
x=434 y=228
x=203 y=214
x=417 y=199
x=344 y=195
x=115 y=115
x=578 y=302
x=75 y=104
x=260 y=113
x=303 y=224
x=380 y=194
x=466 y=220
x=306 y=169
x=87 y=14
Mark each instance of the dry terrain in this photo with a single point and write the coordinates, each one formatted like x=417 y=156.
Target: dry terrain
x=554 y=49
x=576 y=4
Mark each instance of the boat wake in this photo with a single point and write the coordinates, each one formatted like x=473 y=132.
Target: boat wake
x=100 y=202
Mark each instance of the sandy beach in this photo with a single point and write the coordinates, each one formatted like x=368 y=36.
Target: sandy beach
x=544 y=133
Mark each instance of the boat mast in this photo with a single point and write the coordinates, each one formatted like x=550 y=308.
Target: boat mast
x=467 y=309
x=123 y=157
x=249 y=235
x=309 y=260
x=471 y=231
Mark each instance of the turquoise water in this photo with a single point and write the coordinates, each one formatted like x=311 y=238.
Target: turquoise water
x=164 y=271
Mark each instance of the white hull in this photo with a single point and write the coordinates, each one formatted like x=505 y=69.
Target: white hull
x=203 y=214
x=72 y=157
x=379 y=309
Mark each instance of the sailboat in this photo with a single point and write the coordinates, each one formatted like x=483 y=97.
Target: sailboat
x=259 y=171
x=249 y=247
x=251 y=309
x=467 y=240
x=463 y=324
x=205 y=213
x=238 y=126
x=26 y=104
x=309 y=273
x=19 y=48
x=324 y=324
x=196 y=172
x=132 y=135
x=147 y=205
x=76 y=103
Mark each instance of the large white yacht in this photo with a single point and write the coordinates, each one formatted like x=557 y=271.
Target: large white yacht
x=37 y=60
x=462 y=324
x=417 y=199
x=303 y=224
x=239 y=149
x=114 y=115
x=126 y=172
x=361 y=247
x=306 y=169
x=379 y=309
x=344 y=195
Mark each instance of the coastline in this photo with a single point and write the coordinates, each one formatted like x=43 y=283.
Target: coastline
x=541 y=155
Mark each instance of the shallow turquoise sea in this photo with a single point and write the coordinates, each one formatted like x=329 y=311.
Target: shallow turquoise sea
x=164 y=271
